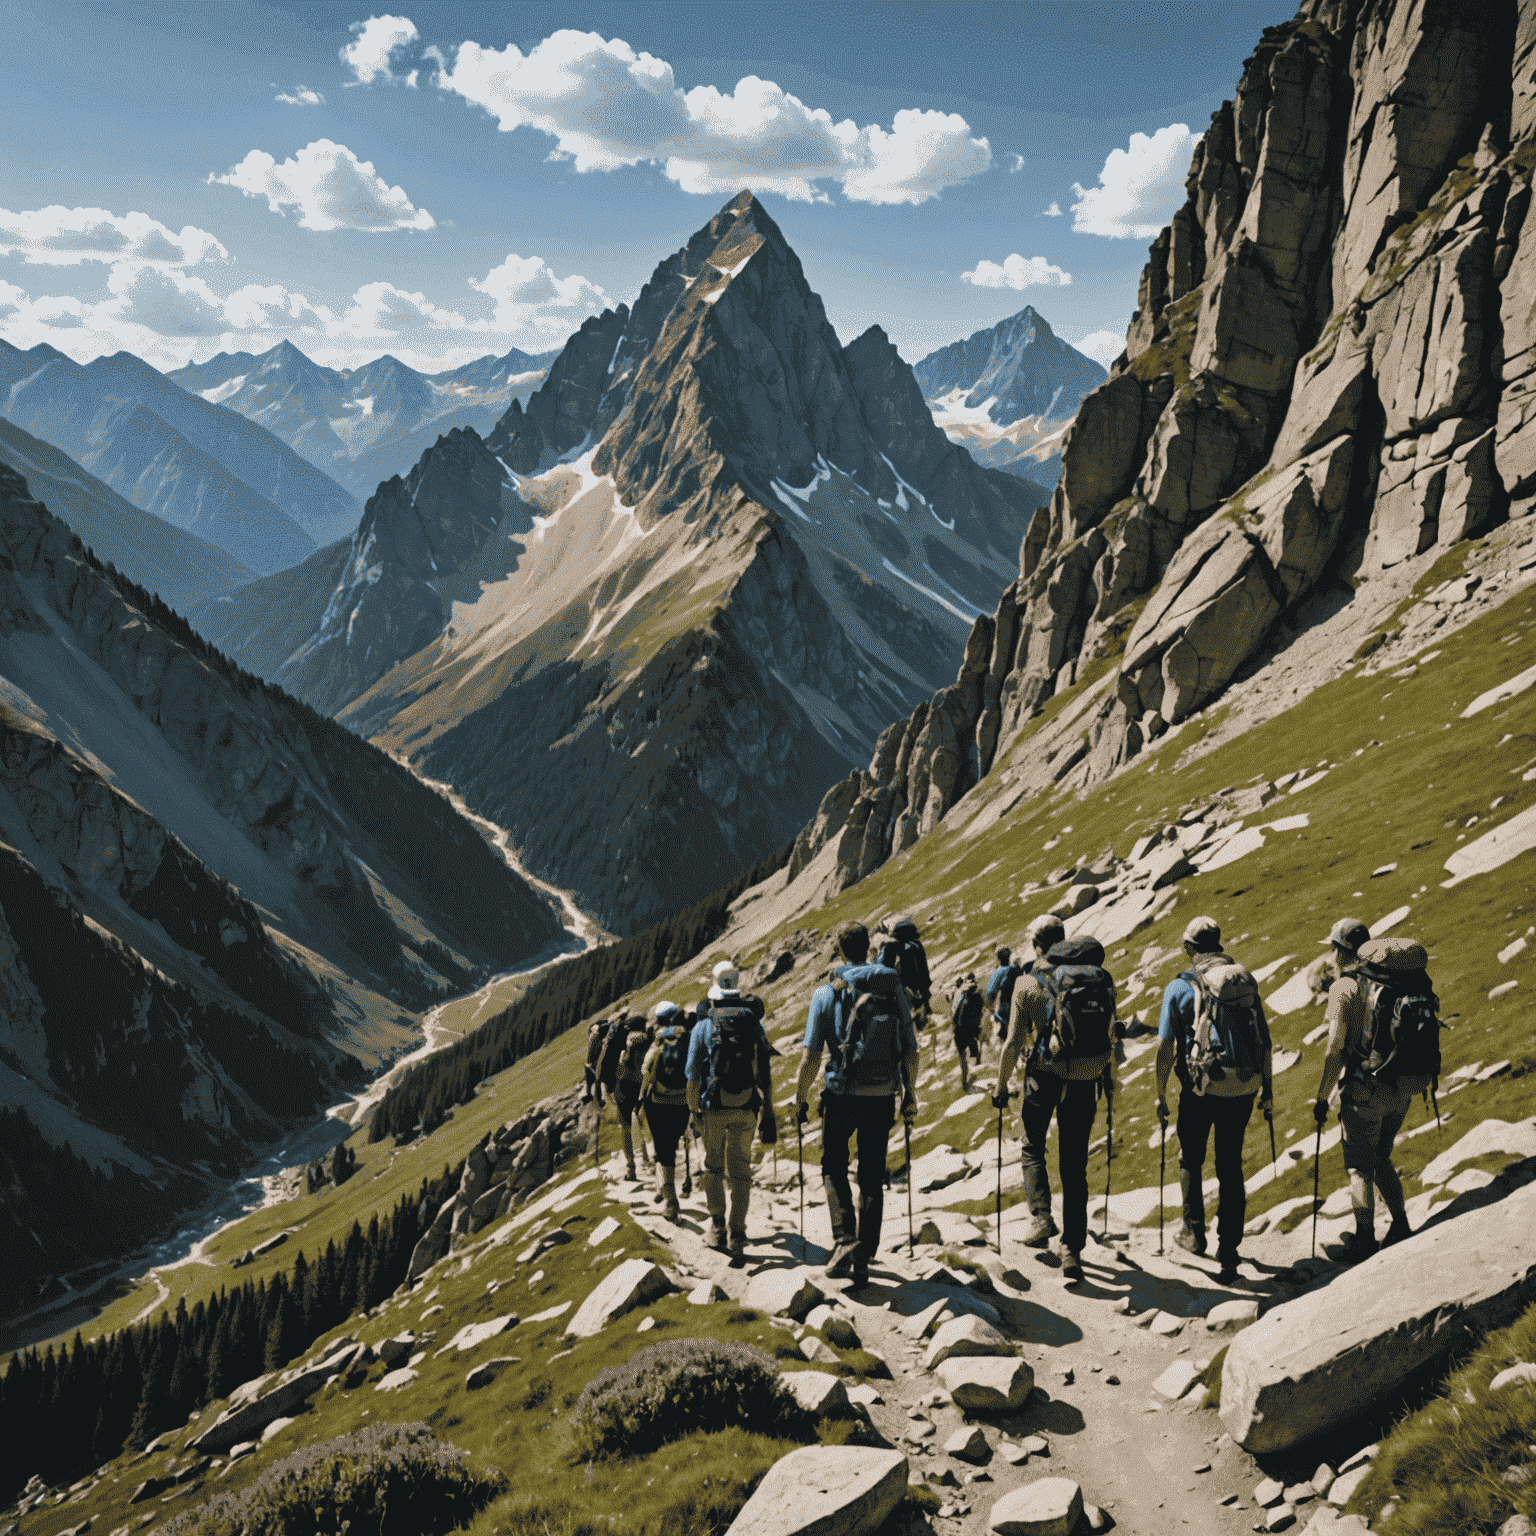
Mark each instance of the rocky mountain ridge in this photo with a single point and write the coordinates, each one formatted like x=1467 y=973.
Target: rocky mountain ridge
x=198 y=466
x=204 y=882
x=1008 y=393
x=367 y=424
x=718 y=548
x=1326 y=379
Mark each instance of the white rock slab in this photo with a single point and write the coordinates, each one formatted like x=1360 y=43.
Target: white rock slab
x=1507 y=841
x=487 y=1371
x=1249 y=840
x=1517 y=1139
x=964 y=1104
x=549 y=1313
x=987 y=1384
x=1329 y=1522
x=705 y=1293
x=1344 y=1485
x=473 y=1335
x=602 y=1232
x=1523 y=1374
x=1050 y=1506
x=1332 y=1355
x=965 y=1336
x=1176 y=1380
x=1234 y=1314
x=1509 y=951
x=783 y=1293
x=627 y=1286
x=939 y=1168
x=817 y=1391
x=389 y=1383
x=968 y=1445
x=825 y=1490
x=1506 y=690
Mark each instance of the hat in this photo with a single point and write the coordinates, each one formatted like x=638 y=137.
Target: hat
x=664 y=1008
x=1347 y=933
x=1202 y=931
x=726 y=976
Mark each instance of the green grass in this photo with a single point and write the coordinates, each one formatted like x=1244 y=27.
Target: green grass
x=1442 y=1466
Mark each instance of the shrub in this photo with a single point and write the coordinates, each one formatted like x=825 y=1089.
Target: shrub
x=386 y=1480
x=670 y=1390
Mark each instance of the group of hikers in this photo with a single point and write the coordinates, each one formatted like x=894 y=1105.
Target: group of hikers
x=709 y=1071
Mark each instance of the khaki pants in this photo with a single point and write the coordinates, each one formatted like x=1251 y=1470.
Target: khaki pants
x=1370 y=1115
x=728 y=1160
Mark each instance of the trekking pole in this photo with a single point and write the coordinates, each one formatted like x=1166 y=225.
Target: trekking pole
x=1434 y=1100
x=906 y=1132
x=1109 y=1148
x=597 y=1137
x=800 y=1148
x=1162 y=1174
x=1274 y=1156
x=1316 y=1156
x=1000 y=1181
x=687 y=1166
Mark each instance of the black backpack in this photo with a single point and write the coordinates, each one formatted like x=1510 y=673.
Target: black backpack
x=733 y=1054
x=866 y=1044
x=613 y=1051
x=903 y=953
x=967 y=1015
x=1401 y=1040
x=1078 y=1038
x=672 y=1062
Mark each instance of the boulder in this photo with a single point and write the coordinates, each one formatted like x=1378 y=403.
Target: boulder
x=602 y=1232
x=488 y=1370
x=1516 y=1375
x=987 y=1384
x=627 y=1286
x=1176 y=1380
x=473 y=1335
x=825 y=1490
x=965 y=1336
x=706 y=1292
x=817 y=1391
x=1050 y=1506
x=392 y=1382
x=949 y=1228
x=783 y=1293
x=1232 y=1314
x=968 y=1445
x=1329 y=1522
x=1331 y=1355
x=816 y=1349
x=392 y=1351
x=249 y=1419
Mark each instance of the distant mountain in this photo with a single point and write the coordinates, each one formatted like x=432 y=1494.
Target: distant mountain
x=215 y=904
x=363 y=425
x=1008 y=393
x=180 y=567
x=200 y=467
x=648 y=619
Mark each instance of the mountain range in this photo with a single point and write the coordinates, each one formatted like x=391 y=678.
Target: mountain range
x=1008 y=393
x=651 y=616
x=203 y=469
x=368 y=424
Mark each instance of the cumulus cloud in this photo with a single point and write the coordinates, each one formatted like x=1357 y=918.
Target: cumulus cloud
x=1017 y=272
x=65 y=237
x=331 y=188
x=1102 y=346
x=300 y=96
x=373 y=41
x=1140 y=188
x=607 y=106
x=1054 y=211
x=1015 y=164
x=527 y=290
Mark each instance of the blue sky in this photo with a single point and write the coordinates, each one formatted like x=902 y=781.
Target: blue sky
x=440 y=181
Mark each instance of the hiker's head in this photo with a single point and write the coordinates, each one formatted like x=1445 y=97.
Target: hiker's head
x=1004 y=955
x=1044 y=932
x=667 y=1013
x=853 y=943
x=727 y=978
x=1202 y=936
x=1346 y=936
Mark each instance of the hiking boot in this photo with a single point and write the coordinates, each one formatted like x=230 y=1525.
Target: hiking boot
x=1072 y=1265
x=1228 y=1274
x=1039 y=1232
x=844 y=1257
x=1190 y=1240
x=672 y=1211
x=860 y=1271
x=738 y=1250
x=1355 y=1248
x=629 y=1171
x=1397 y=1231
x=716 y=1238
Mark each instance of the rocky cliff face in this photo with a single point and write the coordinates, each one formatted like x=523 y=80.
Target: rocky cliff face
x=1328 y=373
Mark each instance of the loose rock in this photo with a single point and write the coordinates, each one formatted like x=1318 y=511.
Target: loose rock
x=965 y=1336
x=629 y=1285
x=968 y=1445
x=1050 y=1507
x=790 y=1292
x=849 y=1490
x=817 y=1391
x=983 y=1384
x=487 y=1371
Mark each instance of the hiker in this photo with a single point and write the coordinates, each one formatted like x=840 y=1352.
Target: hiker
x=901 y=950
x=1383 y=1047
x=626 y=1091
x=1212 y=1030
x=619 y=1080
x=965 y=1012
x=664 y=1093
x=1000 y=985
x=1063 y=1024
x=596 y=1035
x=862 y=1018
x=730 y=1094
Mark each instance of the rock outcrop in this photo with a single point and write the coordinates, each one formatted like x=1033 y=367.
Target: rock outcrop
x=818 y=1490
x=1329 y=371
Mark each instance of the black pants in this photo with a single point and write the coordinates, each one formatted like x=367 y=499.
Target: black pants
x=1074 y=1105
x=968 y=1043
x=667 y=1123
x=1199 y=1115
x=870 y=1118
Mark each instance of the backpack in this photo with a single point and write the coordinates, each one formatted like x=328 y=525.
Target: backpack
x=1229 y=1048
x=671 y=1081
x=903 y=953
x=596 y=1037
x=967 y=1015
x=733 y=1054
x=1400 y=1044
x=1079 y=1009
x=632 y=1059
x=1011 y=974
x=613 y=1050
x=865 y=1047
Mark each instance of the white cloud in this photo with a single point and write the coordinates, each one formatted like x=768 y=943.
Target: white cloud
x=1017 y=272
x=300 y=96
x=1054 y=211
x=373 y=41
x=607 y=106
x=65 y=237
x=1102 y=346
x=331 y=188
x=1140 y=188
x=527 y=291
x=1015 y=164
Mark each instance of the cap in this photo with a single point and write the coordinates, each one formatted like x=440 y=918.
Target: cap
x=1347 y=933
x=664 y=1008
x=726 y=976
x=1202 y=930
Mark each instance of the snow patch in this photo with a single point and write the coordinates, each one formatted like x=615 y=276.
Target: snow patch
x=222 y=392
x=929 y=593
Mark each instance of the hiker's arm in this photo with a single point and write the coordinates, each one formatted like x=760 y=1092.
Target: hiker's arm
x=648 y=1072
x=1338 y=1034
x=698 y=1065
x=908 y=1055
x=810 y=1065
x=1167 y=1054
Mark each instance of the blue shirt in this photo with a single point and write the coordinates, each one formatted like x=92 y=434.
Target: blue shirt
x=821 y=1017
x=999 y=982
x=1177 y=1019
